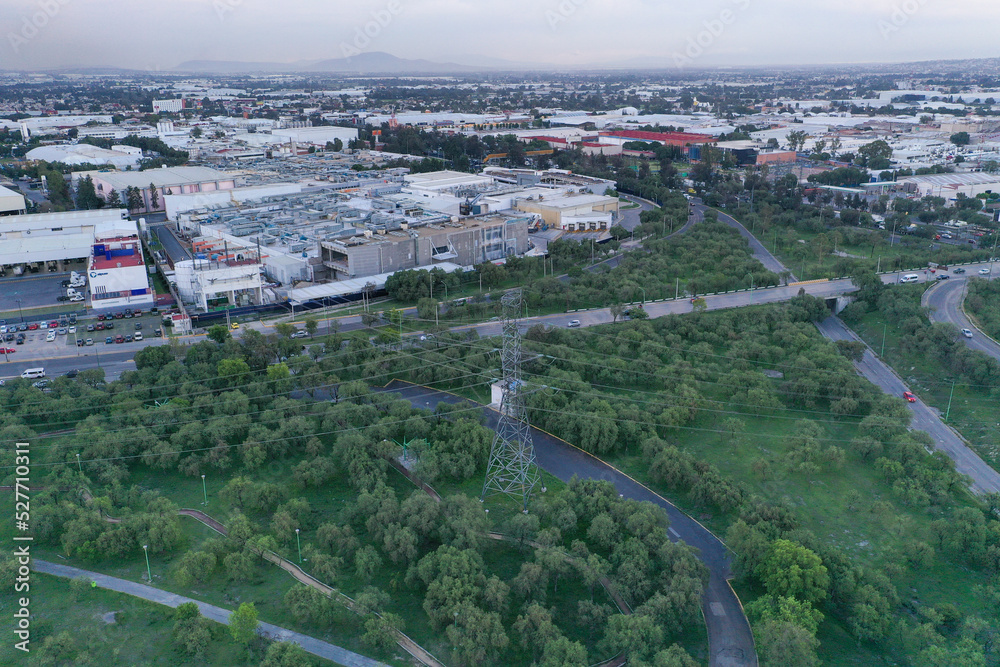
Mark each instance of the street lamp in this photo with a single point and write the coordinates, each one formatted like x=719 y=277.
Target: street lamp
x=643 y=295
x=149 y=575
x=204 y=489
x=78 y=463
x=19 y=311
x=298 y=542
x=751 y=285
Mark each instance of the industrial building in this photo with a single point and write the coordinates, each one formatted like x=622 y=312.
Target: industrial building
x=11 y=202
x=168 y=106
x=121 y=157
x=316 y=136
x=219 y=280
x=466 y=242
x=573 y=212
x=30 y=241
x=165 y=181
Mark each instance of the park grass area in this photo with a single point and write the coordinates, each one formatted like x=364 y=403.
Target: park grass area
x=111 y=628
x=972 y=408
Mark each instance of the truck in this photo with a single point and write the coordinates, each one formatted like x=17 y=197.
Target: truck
x=71 y=292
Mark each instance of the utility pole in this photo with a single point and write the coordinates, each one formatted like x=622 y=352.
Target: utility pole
x=149 y=575
x=884 y=327
x=512 y=470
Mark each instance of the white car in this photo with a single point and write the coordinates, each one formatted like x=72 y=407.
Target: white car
x=985 y=271
x=574 y=323
x=299 y=334
x=967 y=333
x=72 y=330
x=138 y=336
x=51 y=336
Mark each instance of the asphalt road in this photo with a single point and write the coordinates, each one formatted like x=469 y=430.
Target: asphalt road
x=759 y=251
x=35 y=290
x=175 y=250
x=944 y=302
x=630 y=217
x=338 y=655
x=729 y=636
x=984 y=478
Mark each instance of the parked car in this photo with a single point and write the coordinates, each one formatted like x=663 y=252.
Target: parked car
x=89 y=342
x=128 y=338
x=109 y=340
x=61 y=331
x=90 y=327
x=32 y=326
x=72 y=329
x=62 y=297
x=8 y=350
x=138 y=336
x=102 y=317
x=158 y=333
x=138 y=326
x=109 y=325
x=79 y=342
x=51 y=336
x=119 y=338
x=908 y=395
x=967 y=333
x=8 y=338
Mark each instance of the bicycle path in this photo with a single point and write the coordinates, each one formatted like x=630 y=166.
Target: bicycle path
x=340 y=656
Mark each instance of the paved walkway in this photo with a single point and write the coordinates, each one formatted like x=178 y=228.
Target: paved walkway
x=323 y=649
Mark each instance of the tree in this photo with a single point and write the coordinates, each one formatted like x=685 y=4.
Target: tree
x=792 y=570
x=114 y=199
x=616 y=310
x=154 y=197
x=86 y=195
x=875 y=155
x=312 y=326
x=133 y=198
x=797 y=139
x=960 y=138
x=285 y=329
x=478 y=635
x=286 y=654
x=784 y=644
x=243 y=623
x=561 y=652
x=381 y=631
x=196 y=133
x=219 y=333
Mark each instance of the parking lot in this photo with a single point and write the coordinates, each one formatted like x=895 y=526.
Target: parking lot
x=34 y=290
x=70 y=339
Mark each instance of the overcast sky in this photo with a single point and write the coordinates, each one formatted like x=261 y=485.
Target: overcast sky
x=160 y=34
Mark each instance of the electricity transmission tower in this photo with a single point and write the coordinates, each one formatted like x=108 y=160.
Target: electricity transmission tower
x=512 y=470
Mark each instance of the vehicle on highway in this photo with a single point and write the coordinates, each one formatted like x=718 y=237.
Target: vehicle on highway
x=31 y=373
x=909 y=278
x=985 y=271
x=573 y=323
x=299 y=334
x=943 y=276
x=908 y=395
x=958 y=270
x=967 y=333
x=72 y=373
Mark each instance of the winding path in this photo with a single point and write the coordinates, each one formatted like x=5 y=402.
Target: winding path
x=945 y=303
x=730 y=639
x=340 y=656
x=762 y=254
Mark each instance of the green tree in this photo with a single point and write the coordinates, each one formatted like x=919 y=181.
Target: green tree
x=219 y=333
x=784 y=644
x=286 y=654
x=243 y=623
x=154 y=197
x=381 y=631
x=561 y=652
x=86 y=195
x=960 y=138
x=114 y=199
x=792 y=570
x=312 y=326
x=285 y=329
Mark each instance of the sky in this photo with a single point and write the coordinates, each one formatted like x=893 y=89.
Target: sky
x=157 y=35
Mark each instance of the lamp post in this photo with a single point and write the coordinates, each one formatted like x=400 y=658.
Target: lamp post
x=884 y=327
x=19 y=311
x=751 y=285
x=298 y=542
x=78 y=465
x=149 y=575
x=204 y=489
x=643 y=295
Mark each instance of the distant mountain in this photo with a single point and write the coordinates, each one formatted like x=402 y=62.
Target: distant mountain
x=375 y=62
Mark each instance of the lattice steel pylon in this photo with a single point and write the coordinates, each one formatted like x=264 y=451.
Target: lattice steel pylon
x=512 y=469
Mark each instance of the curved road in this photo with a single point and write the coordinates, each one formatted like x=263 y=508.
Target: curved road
x=338 y=655
x=759 y=251
x=945 y=303
x=730 y=639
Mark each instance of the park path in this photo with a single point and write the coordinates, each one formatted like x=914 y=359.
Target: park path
x=318 y=647
x=730 y=640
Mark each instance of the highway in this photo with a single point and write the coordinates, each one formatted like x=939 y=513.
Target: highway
x=944 y=302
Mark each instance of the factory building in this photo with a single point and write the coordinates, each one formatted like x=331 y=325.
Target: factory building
x=574 y=212
x=316 y=136
x=219 y=280
x=165 y=181
x=466 y=243
x=11 y=202
x=29 y=242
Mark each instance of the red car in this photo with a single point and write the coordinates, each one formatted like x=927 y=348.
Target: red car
x=101 y=317
x=908 y=395
x=33 y=326
x=7 y=350
x=54 y=324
